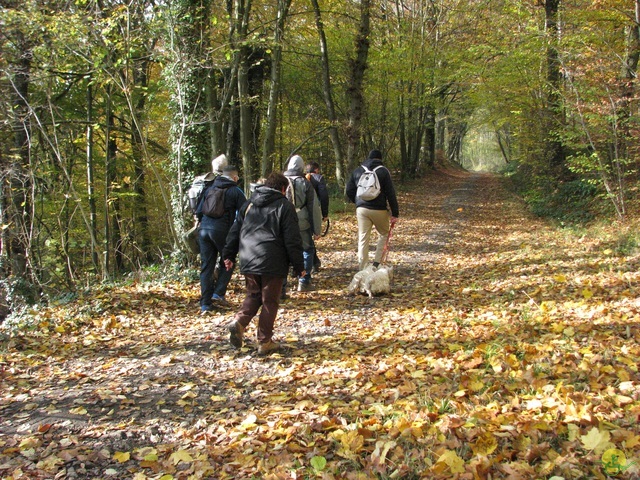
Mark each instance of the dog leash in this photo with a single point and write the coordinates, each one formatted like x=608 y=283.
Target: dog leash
x=326 y=229
x=385 y=250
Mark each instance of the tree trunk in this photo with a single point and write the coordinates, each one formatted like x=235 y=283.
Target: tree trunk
x=629 y=80
x=242 y=11
x=269 y=143
x=188 y=75
x=108 y=180
x=334 y=134
x=554 y=149
x=93 y=226
x=141 y=219
x=20 y=216
x=358 y=65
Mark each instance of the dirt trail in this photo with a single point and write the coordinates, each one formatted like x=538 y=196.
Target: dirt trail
x=137 y=370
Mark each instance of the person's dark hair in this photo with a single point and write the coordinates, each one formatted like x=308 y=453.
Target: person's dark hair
x=229 y=169
x=312 y=167
x=277 y=181
x=375 y=154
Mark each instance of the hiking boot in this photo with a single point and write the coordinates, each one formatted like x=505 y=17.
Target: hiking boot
x=235 y=334
x=220 y=300
x=204 y=309
x=268 y=347
x=305 y=287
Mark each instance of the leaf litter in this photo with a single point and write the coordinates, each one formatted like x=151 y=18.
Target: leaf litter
x=506 y=349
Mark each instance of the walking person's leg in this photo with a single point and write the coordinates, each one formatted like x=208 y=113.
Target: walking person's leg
x=271 y=288
x=364 y=235
x=380 y=219
x=249 y=308
x=222 y=282
x=307 y=254
x=208 y=256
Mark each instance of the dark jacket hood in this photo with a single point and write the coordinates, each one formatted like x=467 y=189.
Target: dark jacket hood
x=224 y=182
x=264 y=195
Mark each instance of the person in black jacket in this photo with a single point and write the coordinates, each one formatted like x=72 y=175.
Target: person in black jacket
x=212 y=236
x=267 y=237
x=373 y=213
x=320 y=186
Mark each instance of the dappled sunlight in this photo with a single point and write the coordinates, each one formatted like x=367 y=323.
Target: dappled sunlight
x=505 y=350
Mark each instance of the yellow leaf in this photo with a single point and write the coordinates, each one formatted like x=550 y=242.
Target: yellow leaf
x=352 y=441
x=218 y=398
x=614 y=460
x=574 y=431
x=587 y=294
x=485 y=445
x=452 y=460
x=180 y=456
x=122 y=457
x=595 y=439
x=560 y=278
x=78 y=411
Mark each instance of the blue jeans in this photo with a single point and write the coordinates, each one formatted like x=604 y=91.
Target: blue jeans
x=308 y=256
x=211 y=245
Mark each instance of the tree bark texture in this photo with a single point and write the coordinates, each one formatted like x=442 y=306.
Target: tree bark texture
x=327 y=93
x=358 y=65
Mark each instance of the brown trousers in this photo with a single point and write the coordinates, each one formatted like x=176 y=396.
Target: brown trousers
x=262 y=291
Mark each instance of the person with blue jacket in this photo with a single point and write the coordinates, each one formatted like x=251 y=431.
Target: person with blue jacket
x=375 y=212
x=212 y=237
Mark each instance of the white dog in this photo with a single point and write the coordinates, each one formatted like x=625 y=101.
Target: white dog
x=372 y=281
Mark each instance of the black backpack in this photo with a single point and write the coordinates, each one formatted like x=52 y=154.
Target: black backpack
x=213 y=204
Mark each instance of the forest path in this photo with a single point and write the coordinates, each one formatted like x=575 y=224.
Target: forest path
x=499 y=332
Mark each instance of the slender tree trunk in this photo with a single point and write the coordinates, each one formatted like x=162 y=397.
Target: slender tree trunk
x=107 y=187
x=629 y=80
x=141 y=219
x=358 y=65
x=21 y=215
x=554 y=149
x=334 y=134
x=242 y=11
x=91 y=181
x=404 y=153
x=269 y=143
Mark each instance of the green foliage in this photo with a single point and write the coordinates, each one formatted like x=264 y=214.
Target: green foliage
x=570 y=202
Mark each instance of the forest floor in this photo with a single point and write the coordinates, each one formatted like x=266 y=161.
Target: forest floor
x=507 y=349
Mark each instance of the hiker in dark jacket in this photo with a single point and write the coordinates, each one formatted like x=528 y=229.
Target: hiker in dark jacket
x=212 y=236
x=320 y=186
x=267 y=237
x=373 y=213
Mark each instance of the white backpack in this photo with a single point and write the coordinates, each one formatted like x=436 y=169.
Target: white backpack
x=368 y=184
